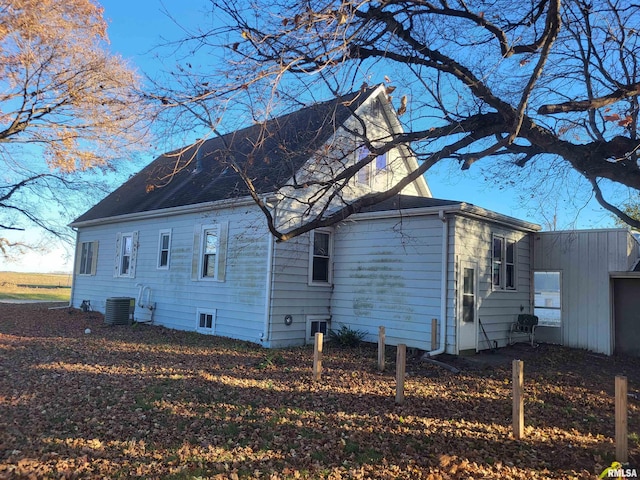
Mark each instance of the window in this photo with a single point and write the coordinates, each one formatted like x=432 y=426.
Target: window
x=125 y=259
x=126 y=252
x=503 y=264
x=547 y=300
x=468 y=295
x=88 y=258
x=206 y=322
x=320 y=258
x=315 y=325
x=210 y=252
x=366 y=173
x=164 y=249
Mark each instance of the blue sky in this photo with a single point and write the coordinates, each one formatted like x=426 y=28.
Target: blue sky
x=137 y=26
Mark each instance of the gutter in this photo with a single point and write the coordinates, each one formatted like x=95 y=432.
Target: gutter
x=443 y=286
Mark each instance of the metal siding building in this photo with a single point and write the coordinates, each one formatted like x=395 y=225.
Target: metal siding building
x=585 y=259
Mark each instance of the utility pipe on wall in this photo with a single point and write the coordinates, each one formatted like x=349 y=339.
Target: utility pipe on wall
x=267 y=301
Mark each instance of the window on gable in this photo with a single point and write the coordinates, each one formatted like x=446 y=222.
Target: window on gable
x=87 y=260
x=126 y=252
x=381 y=162
x=320 y=258
x=366 y=173
x=503 y=264
x=164 y=249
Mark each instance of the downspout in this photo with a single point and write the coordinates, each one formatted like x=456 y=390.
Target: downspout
x=267 y=302
x=443 y=287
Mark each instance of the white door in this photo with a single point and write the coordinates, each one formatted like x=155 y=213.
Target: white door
x=468 y=307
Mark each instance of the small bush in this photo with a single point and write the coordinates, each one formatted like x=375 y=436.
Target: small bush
x=347 y=337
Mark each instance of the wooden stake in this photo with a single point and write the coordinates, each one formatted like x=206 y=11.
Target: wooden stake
x=401 y=360
x=434 y=333
x=518 y=399
x=381 y=339
x=317 y=356
x=622 y=445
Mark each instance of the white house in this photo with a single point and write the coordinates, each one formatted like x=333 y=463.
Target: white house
x=184 y=239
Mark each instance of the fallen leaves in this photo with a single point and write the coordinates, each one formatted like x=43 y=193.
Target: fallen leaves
x=147 y=402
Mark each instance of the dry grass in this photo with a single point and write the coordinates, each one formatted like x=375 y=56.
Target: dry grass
x=147 y=402
x=48 y=287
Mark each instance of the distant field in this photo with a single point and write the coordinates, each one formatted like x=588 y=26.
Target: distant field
x=51 y=287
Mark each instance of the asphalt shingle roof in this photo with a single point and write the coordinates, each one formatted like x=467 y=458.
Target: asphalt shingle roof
x=269 y=152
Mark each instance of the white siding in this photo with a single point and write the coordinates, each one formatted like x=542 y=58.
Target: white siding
x=292 y=294
x=388 y=273
x=585 y=259
x=497 y=309
x=239 y=300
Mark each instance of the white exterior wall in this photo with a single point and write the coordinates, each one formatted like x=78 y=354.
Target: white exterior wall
x=585 y=259
x=293 y=295
x=387 y=272
x=497 y=309
x=239 y=301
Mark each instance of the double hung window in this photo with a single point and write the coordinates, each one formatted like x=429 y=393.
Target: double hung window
x=503 y=263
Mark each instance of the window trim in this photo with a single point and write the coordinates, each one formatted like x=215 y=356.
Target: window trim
x=329 y=257
x=214 y=318
x=503 y=264
x=162 y=233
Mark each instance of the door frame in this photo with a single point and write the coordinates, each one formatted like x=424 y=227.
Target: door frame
x=466 y=264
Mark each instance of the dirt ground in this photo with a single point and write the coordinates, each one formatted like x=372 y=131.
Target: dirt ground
x=148 y=402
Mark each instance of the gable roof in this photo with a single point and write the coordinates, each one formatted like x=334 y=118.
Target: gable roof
x=271 y=152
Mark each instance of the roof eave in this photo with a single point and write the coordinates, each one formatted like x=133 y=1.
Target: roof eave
x=461 y=208
x=166 y=212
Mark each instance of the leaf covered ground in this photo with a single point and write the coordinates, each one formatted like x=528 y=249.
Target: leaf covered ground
x=148 y=402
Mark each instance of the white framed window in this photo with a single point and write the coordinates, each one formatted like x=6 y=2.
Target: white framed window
x=547 y=299
x=317 y=324
x=126 y=253
x=210 y=246
x=503 y=263
x=366 y=174
x=320 y=258
x=206 y=321
x=87 y=258
x=164 y=249
x=210 y=252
